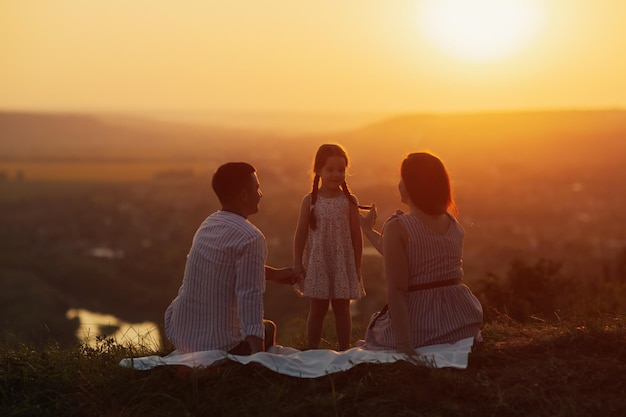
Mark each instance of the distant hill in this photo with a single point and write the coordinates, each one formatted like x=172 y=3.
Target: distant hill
x=541 y=137
x=39 y=136
x=532 y=138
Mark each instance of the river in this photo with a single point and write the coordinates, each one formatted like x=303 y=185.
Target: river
x=92 y=325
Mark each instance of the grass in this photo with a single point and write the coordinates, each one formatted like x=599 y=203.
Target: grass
x=567 y=368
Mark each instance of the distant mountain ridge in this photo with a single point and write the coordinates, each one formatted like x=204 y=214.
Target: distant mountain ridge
x=36 y=136
x=579 y=136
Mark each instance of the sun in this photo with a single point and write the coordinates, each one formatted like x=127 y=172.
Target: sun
x=480 y=30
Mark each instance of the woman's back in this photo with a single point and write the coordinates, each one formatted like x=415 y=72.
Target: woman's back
x=433 y=255
x=443 y=310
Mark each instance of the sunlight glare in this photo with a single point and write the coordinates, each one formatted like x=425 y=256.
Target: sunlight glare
x=480 y=29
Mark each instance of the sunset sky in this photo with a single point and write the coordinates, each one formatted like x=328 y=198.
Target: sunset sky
x=343 y=56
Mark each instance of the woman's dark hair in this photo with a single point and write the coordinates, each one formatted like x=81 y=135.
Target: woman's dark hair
x=324 y=152
x=230 y=179
x=427 y=183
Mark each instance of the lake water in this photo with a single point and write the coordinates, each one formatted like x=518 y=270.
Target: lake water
x=92 y=325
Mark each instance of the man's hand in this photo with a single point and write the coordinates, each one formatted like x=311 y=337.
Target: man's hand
x=280 y=275
x=256 y=344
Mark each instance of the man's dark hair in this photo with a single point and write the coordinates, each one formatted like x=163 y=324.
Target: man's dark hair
x=230 y=179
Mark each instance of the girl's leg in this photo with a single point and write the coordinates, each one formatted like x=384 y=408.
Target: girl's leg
x=317 y=312
x=343 y=322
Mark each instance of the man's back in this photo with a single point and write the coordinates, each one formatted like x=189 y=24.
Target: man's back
x=221 y=297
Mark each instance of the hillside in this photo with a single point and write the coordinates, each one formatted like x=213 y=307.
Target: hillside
x=571 y=368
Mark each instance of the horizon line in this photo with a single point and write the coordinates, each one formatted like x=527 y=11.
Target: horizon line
x=319 y=112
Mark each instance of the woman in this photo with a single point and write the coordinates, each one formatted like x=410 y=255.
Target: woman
x=422 y=256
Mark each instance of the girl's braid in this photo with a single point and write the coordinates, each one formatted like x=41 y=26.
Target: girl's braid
x=312 y=221
x=346 y=191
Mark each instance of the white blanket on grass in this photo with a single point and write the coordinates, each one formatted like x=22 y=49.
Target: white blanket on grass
x=313 y=363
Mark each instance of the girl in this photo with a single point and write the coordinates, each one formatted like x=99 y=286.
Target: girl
x=327 y=246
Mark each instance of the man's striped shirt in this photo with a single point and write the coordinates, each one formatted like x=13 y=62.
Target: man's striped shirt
x=220 y=301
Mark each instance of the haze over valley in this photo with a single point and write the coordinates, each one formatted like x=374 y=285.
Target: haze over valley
x=99 y=211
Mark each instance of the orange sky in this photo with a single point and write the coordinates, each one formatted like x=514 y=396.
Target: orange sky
x=343 y=56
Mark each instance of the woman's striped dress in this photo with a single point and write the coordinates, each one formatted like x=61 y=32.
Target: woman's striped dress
x=438 y=315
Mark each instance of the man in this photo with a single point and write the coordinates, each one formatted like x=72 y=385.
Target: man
x=220 y=302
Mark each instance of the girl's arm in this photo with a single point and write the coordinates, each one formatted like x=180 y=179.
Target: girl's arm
x=396 y=268
x=355 y=233
x=300 y=236
x=367 y=224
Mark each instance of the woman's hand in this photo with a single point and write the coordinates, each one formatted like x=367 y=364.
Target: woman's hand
x=367 y=224
x=368 y=221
